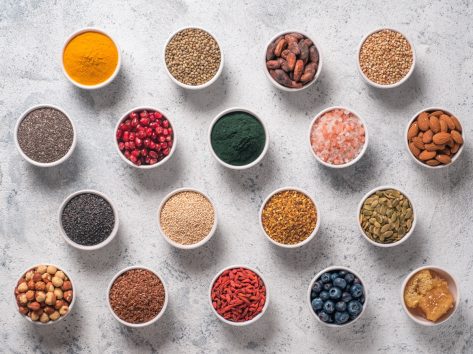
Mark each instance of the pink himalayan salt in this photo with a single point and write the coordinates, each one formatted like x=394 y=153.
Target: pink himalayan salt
x=337 y=137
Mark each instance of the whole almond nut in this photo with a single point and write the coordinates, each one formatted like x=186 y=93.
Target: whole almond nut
x=413 y=131
x=441 y=138
x=423 y=121
x=414 y=149
x=457 y=137
x=434 y=124
x=449 y=121
x=432 y=162
x=434 y=147
x=445 y=159
x=436 y=113
x=427 y=137
x=458 y=126
x=450 y=142
x=443 y=125
x=427 y=155
x=455 y=148
x=418 y=143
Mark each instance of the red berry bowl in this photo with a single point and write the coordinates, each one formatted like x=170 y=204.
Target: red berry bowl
x=145 y=138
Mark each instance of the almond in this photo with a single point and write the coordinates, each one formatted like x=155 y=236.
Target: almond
x=434 y=124
x=427 y=155
x=427 y=137
x=441 y=138
x=443 y=124
x=455 y=148
x=450 y=123
x=457 y=137
x=413 y=131
x=458 y=126
x=414 y=149
x=445 y=159
x=432 y=162
x=423 y=121
x=418 y=143
x=437 y=113
x=434 y=147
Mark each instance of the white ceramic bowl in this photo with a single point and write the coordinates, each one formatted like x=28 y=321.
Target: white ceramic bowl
x=102 y=84
x=453 y=287
x=71 y=305
x=194 y=245
x=331 y=269
x=266 y=144
x=317 y=224
x=150 y=109
x=278 y=85
x=374 y=84
x=406 y=236
x=193 y=87
x=45 y=164
x=363 y=150
x=138 y=325
x=104 y=242
x=254 y=319
x=406 y=143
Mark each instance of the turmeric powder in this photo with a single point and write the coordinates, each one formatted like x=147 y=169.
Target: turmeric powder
x=90 y=58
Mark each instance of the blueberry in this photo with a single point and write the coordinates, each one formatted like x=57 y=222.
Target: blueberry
x=356 y=281
x=357 y=290
x=333 y=276
x=317 y=288
x=354 y=308
x=339 y=306
x=327 y=286
x=335 y=293
x=341 y=317
x=340 y=283
x=329 y=306
x=349 y=278
x=324 y=295
x=362 y=299
x=325 y=278
x=317 y=304
x=346 y=297
x=342 y=273
x=324 y=316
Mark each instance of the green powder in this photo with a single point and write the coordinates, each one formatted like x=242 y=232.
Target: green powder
x=238 y=138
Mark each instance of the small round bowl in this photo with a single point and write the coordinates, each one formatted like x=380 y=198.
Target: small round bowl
x=144 y=324
x=278 y=85
x=266 y=133
x=194 y=87
x=71 y=305
x=254 y=319
x=194 y=245
x=406 y=143
x=317 y=224
x=159 y=163
x=330 y=269
x=374 y=84
x=99 y=245
x=45 y=164
x=386 y=245
x=102 y=84
x=452 y=285
x=363 y=150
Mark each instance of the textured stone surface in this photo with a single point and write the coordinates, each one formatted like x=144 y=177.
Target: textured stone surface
x=31 y=37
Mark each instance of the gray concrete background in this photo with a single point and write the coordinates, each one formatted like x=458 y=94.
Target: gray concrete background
x=31 y=38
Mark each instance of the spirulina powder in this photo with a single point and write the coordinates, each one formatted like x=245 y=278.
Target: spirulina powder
x=238 y=138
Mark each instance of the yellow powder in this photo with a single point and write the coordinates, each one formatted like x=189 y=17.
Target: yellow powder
x=90 y=58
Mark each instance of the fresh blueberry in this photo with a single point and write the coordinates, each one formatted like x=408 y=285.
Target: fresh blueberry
x=324 y=295
x=346 y=297
x=317 y=288
x=357 y=290
x=335 y=293
x=317 y=304
x=340 y=283
x=347 y=288
x=324 y=316
x=327 y=286
x=354 y=308
x=333 y=276
x=356 y=281
x=325 y=278
x=362 y=299
x=342 y=273
x=339 y=306
x=329 y=306
x=341 y=317
x=349 y=278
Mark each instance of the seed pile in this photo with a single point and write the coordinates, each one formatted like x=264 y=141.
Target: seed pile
x=137 y=296
x=88 y=219
x=187 y=217
x=386 y=216
x=238 y=295
x=386 y=57
x=45 y=135
x=193 y=56
x=289 y=217
x=435 y=137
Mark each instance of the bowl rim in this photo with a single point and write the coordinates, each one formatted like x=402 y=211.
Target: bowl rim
x=258 y=118
x=332 y=268
x=406 y=143
x=254 y=319
x=102 y=84
x=194 y=245
x=406 y=236
x=124 y=117
x=374 y=84
x=317 y=224
x=45 y=164
x=361 y=153
x=454 y=283
x=104 y=242
x=319 y=67
x=193 y=87
x=71 y=305
x=154 y=319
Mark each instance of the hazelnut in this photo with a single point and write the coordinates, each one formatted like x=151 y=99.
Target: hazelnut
x=57 y=282
x=22 y=299
x=50 y=298
x=63 y=310
x=55 y=315
x=41 y=269
x=46 y=277
x=31 y=284
x=40 y=296
x=40 y=285
x=58 y=292
x=30 y=295
x=44 y=318
x=68 y=296
x=34 y=306
x=49 y=310
x=59 y=304
x=34 y=316
x=29 y=275
x=50 y=287
x=60 y=274
x=23 y=287
x=67 y=285
x=37 y=277
x=23 y=310
x=51 y=269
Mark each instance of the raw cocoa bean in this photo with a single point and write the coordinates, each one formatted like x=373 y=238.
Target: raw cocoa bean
x=297 y=35
x=304 y=51
x=295 y=84
x=281 y=77
x=284 y=65
x=285 y=53
x=294 y=48
x=309 y=72
x=280 y=46
x=273 y=64
x=298 y=69
x=313 y=54
x=291 y=61
x=270 y=51
x=308 y=42
x=290 y=38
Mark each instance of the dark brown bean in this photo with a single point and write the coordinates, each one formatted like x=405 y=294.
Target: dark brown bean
x=281 y=77
x=294 y=48
x=298 y=69
x=280 y=46
x=270 y=51
x=273 y=64
x=304 y=51
x=291 y=61
x=285 y=53
x=314 y=54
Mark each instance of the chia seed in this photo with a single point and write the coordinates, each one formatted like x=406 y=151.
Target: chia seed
x=88 y=219
x=45 y=135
